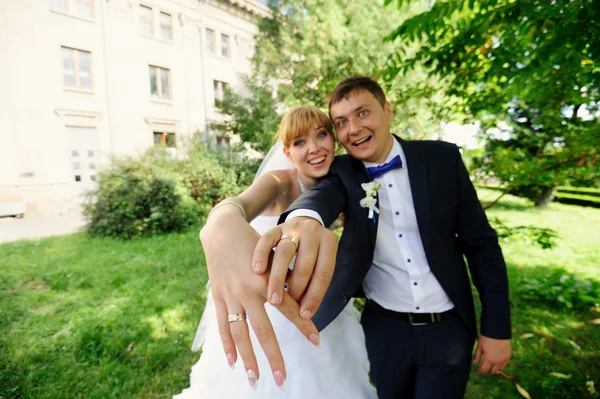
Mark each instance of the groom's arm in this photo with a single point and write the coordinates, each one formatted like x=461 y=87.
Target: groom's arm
x=316 y=246
x=479 y=243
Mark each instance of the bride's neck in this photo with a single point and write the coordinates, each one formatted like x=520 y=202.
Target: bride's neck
x=308 y=182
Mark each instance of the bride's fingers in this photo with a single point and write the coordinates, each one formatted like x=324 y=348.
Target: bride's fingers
x=225 y=333
x=291 y=310
x=322 y=275
x=241 y=337
x=264 y=248
x=266 y=336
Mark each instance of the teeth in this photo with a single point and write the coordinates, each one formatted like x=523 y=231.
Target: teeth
x=361 y=141
x=316 y=161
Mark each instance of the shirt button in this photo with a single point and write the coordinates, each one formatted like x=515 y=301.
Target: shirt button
x=408 y=260
x=400 y=235
x=389 y=185
x=415 y=283
x=397 y=213
x=418 y=308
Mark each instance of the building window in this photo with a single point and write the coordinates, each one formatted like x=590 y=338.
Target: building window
x=225 y=50
x=211 y=41
x=163 y=139
x=59 y=5
x=85 y=8
x=221 y=89
x=160 y=83
x=166 y=26
x=77 y=68
x=146 y=21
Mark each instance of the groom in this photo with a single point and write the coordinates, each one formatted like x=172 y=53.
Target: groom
x=405 y=251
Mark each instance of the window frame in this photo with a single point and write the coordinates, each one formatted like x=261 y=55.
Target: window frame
x=227 y=47
x=76 y=70
x=92 y=3
x=65 y=11
x=213 y=41
x=170 y=25
x=149 y=20
x=219 y=90
x=159 y=87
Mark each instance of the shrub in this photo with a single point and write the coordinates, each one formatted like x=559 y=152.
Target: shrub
x=154 y=193
x=561 y=289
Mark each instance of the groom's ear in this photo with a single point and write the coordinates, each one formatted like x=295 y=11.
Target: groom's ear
x=387 y=107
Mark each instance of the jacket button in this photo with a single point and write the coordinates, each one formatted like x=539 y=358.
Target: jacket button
x=344 y=298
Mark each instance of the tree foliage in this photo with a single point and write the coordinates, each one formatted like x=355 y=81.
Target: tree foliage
x=307 y=48
x=527 y=69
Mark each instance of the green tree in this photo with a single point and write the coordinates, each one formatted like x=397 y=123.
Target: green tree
x=308 y=47
x=526 y=68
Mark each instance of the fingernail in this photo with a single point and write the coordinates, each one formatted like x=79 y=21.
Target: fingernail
x=315 y=340
x=252 y=378
x=278 y=375
x=275 y=298
x=231 y=361
x=305 y=314
x=257 y=266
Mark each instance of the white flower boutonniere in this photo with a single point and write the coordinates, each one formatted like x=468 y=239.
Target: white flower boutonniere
x=370 y=201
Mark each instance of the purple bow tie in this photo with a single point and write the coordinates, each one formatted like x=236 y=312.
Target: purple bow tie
x=376 y=171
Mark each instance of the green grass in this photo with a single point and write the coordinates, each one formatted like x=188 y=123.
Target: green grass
x=102 y=318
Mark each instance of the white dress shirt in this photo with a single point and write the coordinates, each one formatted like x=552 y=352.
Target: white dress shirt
x=400 y=278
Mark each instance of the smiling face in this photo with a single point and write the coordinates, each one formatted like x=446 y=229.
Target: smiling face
x=312 y=153
x=362 y=125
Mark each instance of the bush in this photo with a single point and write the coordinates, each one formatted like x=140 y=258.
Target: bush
x=154 y=193
x=561 y=289
x=577 y=199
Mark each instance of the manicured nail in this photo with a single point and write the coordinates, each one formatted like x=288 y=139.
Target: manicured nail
x=305 y=314
x=257 y=266
x=278 y=375
x=252 y=378
x=275 y=299
x=315 y=340
x=231 y=361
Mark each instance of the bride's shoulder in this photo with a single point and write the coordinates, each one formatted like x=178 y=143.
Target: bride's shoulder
x=282 y=176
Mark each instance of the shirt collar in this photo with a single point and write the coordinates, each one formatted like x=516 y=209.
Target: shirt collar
x=396 y=150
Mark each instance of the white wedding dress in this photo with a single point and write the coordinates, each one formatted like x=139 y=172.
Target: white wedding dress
x=338 y=369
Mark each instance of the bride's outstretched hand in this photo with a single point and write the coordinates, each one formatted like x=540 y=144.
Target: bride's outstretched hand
x=228 y=244
x=315 y=248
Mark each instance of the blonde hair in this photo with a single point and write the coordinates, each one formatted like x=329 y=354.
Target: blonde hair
x=299 y=121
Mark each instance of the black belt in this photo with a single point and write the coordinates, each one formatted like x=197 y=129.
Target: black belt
x=414 y=319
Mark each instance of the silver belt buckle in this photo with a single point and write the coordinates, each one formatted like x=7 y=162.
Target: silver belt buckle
x=410 y=320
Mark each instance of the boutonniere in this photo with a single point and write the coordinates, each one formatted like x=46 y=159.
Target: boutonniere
x=370 y=201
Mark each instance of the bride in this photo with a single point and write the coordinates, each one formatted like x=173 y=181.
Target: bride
x=333 y=364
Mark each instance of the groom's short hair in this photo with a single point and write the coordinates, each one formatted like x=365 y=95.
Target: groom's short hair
x=354 y=84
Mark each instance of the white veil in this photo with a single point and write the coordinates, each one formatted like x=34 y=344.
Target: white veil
x=274 y=160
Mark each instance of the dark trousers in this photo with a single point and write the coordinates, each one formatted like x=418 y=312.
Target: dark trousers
x=430 y=361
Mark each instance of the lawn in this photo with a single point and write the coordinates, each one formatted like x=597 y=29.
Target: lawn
x=102 y=318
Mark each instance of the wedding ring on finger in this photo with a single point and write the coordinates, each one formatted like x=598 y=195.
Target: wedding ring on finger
x=232 y=318
x=291 y=238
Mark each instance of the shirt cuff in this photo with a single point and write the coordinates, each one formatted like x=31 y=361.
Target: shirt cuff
x=304 y=212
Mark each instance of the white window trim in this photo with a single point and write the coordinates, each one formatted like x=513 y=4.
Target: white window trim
x=77 y=88
x=69 y=12
x=156 y=11
x=159 y=99
x=218 y=52
x=79 y=118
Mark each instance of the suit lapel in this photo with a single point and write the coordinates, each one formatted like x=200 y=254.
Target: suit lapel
x=418 y=178
x=362 y=177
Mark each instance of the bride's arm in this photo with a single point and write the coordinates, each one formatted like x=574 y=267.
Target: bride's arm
x=228 y=241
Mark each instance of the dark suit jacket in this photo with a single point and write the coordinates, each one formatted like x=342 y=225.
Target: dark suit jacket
x=452 y=224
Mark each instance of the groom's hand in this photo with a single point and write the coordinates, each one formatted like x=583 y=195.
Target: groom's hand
x=315 y=250
x=495 y=354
